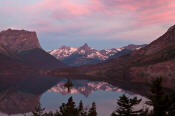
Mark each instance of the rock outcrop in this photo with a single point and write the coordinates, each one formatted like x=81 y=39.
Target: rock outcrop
x=20 y=51
x=15 y=41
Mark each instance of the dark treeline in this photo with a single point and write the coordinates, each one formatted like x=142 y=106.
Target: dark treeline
x=67 y=109
x=162 y=103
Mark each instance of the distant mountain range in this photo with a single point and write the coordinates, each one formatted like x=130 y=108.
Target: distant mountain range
x=86 y=55
x=20 y=52
x=138 y=67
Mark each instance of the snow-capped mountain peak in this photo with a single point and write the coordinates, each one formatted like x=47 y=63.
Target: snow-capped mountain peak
x=62 y=52
x=85 y=46
x=87 y=55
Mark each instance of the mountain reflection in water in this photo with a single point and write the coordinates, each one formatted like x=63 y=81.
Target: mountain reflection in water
x=84 y=87
x=19 y=96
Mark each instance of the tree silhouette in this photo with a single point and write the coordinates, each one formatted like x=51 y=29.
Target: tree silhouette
x=69 y=109
x=68 y=85
x=81 y=109
x=158 y=99
x=125 y=106
x=92 y=110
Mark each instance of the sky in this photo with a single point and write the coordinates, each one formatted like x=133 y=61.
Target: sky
x=100 y=23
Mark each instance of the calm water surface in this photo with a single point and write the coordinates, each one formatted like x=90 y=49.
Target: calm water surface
x=21 y=97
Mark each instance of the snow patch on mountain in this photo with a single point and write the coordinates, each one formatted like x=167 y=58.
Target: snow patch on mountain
x=66 y=51
x=87 y=55
x=62 y=52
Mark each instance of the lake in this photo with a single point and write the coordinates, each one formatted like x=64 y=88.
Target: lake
x=19 y=97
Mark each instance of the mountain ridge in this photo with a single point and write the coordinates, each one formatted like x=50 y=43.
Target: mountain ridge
x=13 y=45
x=15 y=41
x=84 y=54
x=157 y=59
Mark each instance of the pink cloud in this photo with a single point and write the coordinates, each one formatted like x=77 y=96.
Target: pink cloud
x=164 y=14
x=66 y=8
x=111 y=18
x=142 y=10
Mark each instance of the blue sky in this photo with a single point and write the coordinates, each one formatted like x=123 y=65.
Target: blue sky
x=100 y=23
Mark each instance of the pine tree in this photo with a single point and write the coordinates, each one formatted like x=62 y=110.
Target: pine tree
x=69 y=109
x=92 y=110
x=125 y=106
x=39 y=111
x=81 y=109
x=158 y=99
